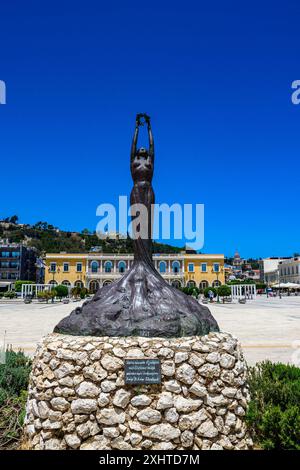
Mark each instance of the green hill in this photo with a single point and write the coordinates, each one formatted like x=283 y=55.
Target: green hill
x=49 y=239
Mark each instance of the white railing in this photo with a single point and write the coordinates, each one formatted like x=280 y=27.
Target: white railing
x=103 y=275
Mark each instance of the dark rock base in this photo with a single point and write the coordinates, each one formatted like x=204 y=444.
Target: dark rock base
x=142 y=303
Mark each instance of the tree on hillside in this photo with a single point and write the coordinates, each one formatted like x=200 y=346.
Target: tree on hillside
x=14 y=219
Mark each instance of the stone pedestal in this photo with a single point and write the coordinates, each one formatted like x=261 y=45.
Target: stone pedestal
x=78 y=398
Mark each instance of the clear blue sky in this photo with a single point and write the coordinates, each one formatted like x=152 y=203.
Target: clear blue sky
x=215 y=78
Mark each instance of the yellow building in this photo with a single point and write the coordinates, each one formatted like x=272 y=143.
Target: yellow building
x=66 y=268
x=204 y=270
x=94 y=270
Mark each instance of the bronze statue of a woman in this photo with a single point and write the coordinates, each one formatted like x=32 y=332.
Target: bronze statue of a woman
x=142 y=166
x=141 y=303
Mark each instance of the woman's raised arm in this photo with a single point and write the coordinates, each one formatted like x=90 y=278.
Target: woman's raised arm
x=135 y=138
x=150 y=135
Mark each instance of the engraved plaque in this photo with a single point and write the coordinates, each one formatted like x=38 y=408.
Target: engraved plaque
x=142 y=371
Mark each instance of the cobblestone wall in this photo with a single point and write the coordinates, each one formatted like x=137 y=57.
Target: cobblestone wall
x=78 y=398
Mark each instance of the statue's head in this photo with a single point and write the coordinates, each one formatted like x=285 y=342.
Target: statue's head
x=142 y=152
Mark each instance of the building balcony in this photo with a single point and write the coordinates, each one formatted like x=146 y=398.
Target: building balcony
x=172 y=256
x=9 y=269
x=103 y=275
x=117 y=275
x=109 y=256
x=172 y=275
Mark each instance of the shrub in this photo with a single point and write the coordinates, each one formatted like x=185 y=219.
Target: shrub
x=194 y=291
x=206 y=291
x=12 y=415
x=261 y=285
x=51 y=294
x=274 y=411
x=14 y=376
x=83 y=292
x=45 y=295
x=14 y=373
x=75 y=291
x=224 y=291
x=9 y=294
x=18 y=285
x=61 y=291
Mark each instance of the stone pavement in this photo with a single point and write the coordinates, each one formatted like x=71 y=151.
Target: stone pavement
x=267 y=328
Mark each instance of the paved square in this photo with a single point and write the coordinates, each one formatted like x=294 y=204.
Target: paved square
x=267 y=328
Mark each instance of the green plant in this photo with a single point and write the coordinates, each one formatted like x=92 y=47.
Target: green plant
x=61 y=291
x=261 y=285
x=212 y=289
x=83 y=293
x=274 y=411
x=75 y=291
x=237 y=281
x=14 y=373
x=9 y=294
x=12 y=415
x=18 y=285
x=14 y=376
x=194 y=291
x=224 y=291
x=45 y=295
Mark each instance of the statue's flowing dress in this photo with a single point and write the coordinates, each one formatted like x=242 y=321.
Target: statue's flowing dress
x=141 y=303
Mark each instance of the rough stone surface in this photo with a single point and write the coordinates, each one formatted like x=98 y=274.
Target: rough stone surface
x=141 y=400
x=83 y=406
x=207 y=429
x=165 y=401
x=78 y=398
x=149 y=416
x=121 y=398
x=88 y=390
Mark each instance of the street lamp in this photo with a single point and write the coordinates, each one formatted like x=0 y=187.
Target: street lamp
x=279 y=283
x=217 y=272
x=53 y=271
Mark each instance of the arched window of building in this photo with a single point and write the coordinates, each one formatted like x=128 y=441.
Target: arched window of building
x=66 y=283
x=94 y=266
x=53 y=283
x=216 y=283
x=191 y=284
x=176 y=283
x=122 y=267
x=94 y=286
x=162 y=267
x=108 y=266
x=105 y=283
x=78 y=284
x=203 y=285
x=175 y=267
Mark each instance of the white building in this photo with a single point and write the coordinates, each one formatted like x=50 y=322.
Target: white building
x=289 y=270
x=269 y=269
